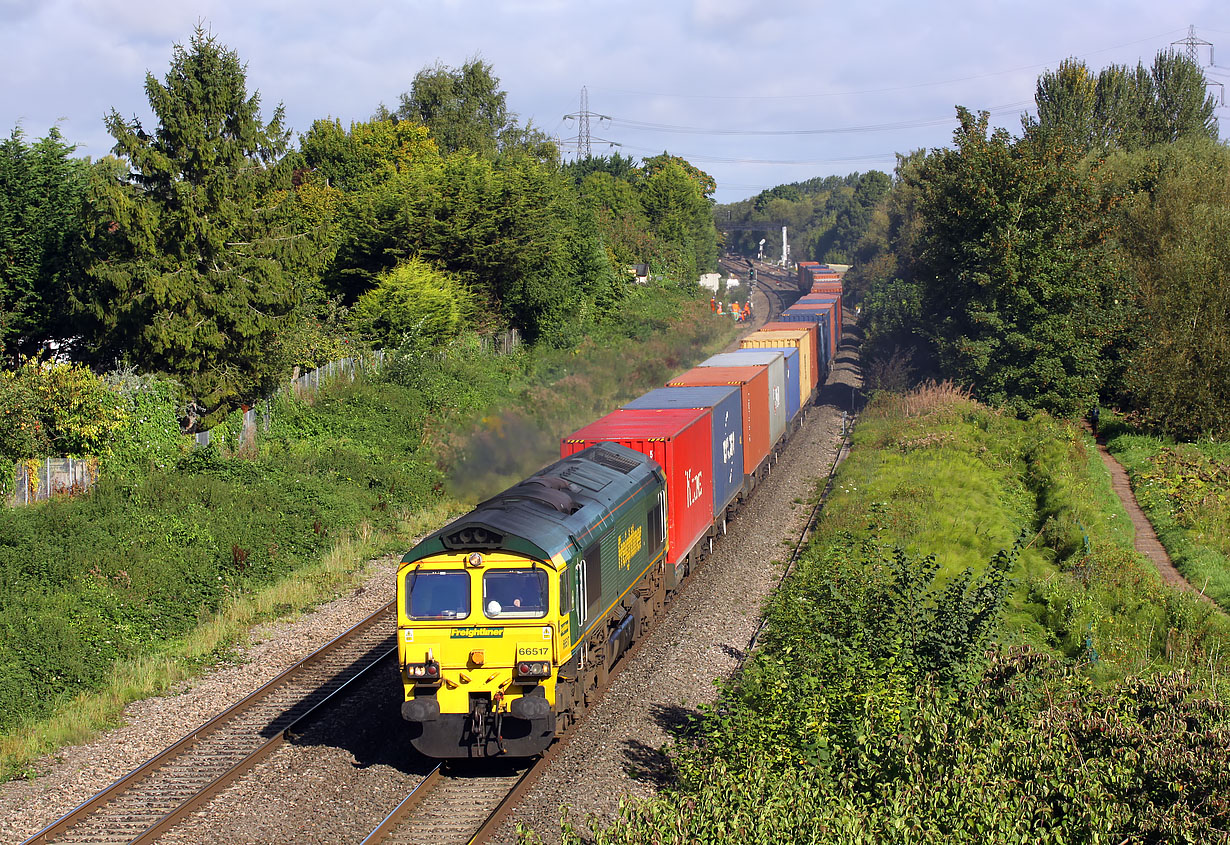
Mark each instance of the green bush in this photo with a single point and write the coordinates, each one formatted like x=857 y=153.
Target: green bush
x=49 y=409
x=413 y=303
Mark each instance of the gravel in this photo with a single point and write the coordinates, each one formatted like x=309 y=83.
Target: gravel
x=337 y=779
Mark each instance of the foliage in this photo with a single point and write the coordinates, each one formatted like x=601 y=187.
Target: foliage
x=412 y=303
x=465 y=111
x=653 y=165
x=194 y=270
x=366 y=154
x=1031 y=754
x=852 y=217
x=1124 y=107
x=510 y=229
x=825 y=217
x=1020 y=294
x=655 y=213
x=1175 y=229
x=49 y=409
x=150 y=437
x=41 y=193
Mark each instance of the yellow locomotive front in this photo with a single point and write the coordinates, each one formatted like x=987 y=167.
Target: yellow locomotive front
x=509 y=616
x=479 y=637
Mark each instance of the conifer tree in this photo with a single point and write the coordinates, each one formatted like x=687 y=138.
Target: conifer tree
x=194 y=271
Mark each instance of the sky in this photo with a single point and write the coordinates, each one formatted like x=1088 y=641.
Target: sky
x=755 y=92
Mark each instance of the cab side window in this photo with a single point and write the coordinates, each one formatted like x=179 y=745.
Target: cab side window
x=593 y=578
x=657 y=526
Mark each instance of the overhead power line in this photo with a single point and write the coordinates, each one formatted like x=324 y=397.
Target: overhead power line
x=711 y=159
x=841 y=130
x=858 y=93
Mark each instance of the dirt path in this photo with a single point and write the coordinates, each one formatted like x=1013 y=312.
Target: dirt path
x=1145 y=539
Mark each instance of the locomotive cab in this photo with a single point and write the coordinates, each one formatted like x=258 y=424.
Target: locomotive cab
x=478 y=644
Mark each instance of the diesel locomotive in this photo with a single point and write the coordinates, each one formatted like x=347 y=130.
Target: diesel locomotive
x=505 y=615
x=510 y=618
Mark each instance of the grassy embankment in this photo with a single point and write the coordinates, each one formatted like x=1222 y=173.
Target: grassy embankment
x=117 y=595
x=968 y=651
x=1185 y=491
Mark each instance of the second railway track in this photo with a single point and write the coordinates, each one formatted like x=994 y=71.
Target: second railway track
x=154 y=797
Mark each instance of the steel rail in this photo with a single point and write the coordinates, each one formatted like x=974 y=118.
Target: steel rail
x=393 y=820
x=307 y=704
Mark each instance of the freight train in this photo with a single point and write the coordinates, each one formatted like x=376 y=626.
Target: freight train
x=510 y=618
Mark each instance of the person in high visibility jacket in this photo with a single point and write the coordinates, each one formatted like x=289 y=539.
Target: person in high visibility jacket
x=713 y=304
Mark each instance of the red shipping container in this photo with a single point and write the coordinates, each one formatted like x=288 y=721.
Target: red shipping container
x=754 y=386
x=813 y=333
x=680 y=440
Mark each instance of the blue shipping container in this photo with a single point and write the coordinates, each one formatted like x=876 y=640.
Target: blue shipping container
x=727 y=414
x=826 y=330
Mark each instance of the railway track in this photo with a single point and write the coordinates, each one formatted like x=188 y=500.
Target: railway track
x=456 y=805
x=151 y=799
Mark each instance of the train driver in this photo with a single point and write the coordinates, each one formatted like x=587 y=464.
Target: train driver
x=515 y=592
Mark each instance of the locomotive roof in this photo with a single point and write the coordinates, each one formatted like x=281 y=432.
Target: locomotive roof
x=571 y=502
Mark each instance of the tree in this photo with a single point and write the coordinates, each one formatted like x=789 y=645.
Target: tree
x=1183 y=108
x=616 y=166
x=1176 y=232
x=42 y=188
x=681 y=217
x=1124 y=107
x=1020 y=297
x=1067 y=101
x=853 y=216
x=194 y=272
x=463 y=109
x=413 y=303
x=706 y=183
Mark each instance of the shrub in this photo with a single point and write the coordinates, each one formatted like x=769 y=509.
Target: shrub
x=413 y=303
x=49 y=408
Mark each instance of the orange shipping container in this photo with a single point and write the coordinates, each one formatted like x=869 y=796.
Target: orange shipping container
x=753 y=384
x=797 y=339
